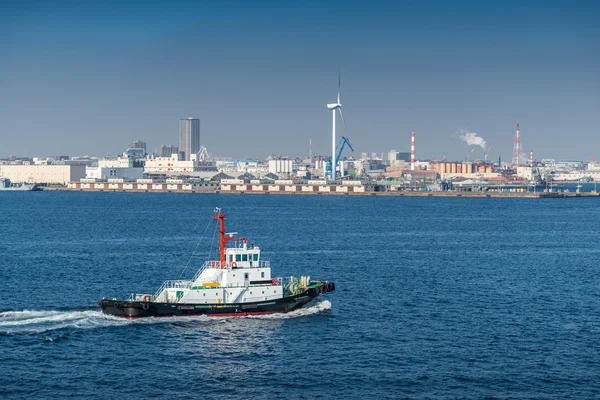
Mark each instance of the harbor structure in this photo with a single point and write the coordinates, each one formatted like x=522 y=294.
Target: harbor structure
x=143 y=185
x=189 y=137
x=290 y=187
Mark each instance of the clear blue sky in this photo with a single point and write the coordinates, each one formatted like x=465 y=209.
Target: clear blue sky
x=88 y=77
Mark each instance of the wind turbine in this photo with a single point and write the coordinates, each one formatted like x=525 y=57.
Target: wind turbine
x=333 y=107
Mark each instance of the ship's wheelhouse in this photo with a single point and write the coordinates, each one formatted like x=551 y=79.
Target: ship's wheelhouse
x=240 y=255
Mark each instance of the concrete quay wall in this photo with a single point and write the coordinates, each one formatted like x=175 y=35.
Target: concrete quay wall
x=309 y=190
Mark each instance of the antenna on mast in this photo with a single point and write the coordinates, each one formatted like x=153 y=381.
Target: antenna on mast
x=517 y=149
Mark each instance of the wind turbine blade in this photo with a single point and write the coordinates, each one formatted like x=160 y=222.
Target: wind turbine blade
x=343 y=120
x=339 y=84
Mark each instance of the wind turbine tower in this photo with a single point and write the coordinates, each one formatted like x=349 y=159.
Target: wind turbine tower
x=333 y=107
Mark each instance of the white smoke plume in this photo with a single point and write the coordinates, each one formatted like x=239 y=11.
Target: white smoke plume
x=472 y=139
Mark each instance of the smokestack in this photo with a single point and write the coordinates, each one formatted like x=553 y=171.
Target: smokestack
x=412 y=152
x=530 y=158
x=517 y=149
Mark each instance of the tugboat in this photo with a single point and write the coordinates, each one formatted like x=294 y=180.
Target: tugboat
x=238 y=284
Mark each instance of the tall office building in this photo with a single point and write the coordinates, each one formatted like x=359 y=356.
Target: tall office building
x=138 y=144
x=167 y=151
x=189 y=137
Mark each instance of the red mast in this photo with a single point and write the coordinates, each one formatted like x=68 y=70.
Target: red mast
x=221 y=217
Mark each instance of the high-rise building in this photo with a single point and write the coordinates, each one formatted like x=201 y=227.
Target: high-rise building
x=392 y=157
x=167 y=151
x=138 y=144
x=403 y=155
x=189 y=137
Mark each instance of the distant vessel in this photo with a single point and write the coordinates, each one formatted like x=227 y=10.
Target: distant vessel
x=5 y=184
x=238 y=284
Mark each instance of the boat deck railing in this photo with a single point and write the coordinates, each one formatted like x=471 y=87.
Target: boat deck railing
x=217 y=265
x=201 y=270
x=279 y=281
x=303 y=282
x=173 y=284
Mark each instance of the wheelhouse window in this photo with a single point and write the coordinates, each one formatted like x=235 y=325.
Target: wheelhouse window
x=255 y=257
x=238 y=257
x=244 y=257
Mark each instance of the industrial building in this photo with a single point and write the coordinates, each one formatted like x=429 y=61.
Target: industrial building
x=174 y=165
x=280 y=166
x=48 y=174
x=122 y=167
x=460 y=168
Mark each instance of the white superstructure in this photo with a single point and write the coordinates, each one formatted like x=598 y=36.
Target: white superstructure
x=240 y=276
x=244 y=278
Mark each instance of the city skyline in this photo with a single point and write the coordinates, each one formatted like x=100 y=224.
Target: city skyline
x=88 y=80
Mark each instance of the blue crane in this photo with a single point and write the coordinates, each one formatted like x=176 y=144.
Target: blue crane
x=343 y=142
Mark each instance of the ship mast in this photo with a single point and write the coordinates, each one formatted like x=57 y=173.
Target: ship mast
x=221 y=217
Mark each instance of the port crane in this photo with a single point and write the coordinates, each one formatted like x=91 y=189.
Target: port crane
x=343 y=142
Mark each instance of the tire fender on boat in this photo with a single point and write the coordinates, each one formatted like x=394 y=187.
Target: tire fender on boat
x=145 y=306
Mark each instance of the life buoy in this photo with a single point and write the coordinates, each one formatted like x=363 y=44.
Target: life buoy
x=145 y=298
x=234 y=265
x=275 y=282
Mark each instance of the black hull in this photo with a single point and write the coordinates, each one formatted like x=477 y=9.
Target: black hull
x=142 y=309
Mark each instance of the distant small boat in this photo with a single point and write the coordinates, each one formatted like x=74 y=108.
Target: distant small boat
x=7 y=185
x=239 y=283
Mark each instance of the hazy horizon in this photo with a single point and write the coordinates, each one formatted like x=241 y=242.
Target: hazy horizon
x=81 y=78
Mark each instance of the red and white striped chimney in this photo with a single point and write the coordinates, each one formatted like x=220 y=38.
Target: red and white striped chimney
x=412 y=152
x=530 y=158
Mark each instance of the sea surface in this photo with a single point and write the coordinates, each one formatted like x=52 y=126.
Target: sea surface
x=435 y=298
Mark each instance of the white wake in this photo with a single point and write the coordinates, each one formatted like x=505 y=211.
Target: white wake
x=36 y=321
x=312 y=308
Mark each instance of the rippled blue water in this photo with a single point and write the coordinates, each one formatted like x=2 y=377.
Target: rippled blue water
x=436 y=298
